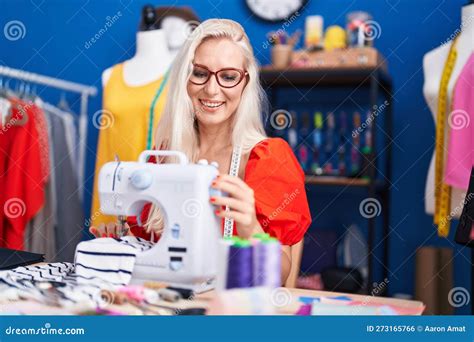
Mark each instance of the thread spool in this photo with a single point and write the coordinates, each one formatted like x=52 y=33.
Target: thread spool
x=223 y=263
x=240 y=265
x=267 y=263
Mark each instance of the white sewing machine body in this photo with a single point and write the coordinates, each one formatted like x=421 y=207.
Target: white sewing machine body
x=186 y=254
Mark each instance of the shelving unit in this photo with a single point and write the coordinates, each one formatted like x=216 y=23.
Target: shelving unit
x=378 y=81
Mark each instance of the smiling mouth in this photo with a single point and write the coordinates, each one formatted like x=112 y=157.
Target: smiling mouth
x=211 y=104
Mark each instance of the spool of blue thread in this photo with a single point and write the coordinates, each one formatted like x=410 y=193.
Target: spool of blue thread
x=267 y=262
x=240 y=267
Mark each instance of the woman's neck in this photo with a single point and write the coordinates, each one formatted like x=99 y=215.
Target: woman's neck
x=214 y=139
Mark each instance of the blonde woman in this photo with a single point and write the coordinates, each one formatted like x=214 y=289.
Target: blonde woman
x=214 y=110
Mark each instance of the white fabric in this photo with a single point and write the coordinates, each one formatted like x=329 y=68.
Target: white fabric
x=109 y=259
x=28 y=282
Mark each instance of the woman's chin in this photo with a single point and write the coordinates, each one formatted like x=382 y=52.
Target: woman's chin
x=211 y=118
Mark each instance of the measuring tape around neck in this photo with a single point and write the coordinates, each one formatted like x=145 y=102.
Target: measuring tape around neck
x=442 y=190
x=234 y=171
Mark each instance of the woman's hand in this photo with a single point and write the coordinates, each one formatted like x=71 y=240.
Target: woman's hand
x=110 y=230
x=241 y=202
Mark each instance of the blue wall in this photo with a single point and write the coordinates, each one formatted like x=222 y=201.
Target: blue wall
x=57 y=30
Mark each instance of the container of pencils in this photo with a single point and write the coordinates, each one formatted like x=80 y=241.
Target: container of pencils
x=281 y=55
x=282 y=47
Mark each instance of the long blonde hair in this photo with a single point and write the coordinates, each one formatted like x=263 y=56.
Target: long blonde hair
x=177 y=129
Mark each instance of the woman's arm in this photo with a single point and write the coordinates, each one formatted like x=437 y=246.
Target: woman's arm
x=285 y=263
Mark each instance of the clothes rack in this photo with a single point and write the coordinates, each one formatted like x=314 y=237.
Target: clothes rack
x=82 y=89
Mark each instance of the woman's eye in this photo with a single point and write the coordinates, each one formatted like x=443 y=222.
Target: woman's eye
x=229 y=77
x=200 y=74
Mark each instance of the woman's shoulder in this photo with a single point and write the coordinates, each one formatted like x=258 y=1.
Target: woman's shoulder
x=272 y=154
x=270 y=148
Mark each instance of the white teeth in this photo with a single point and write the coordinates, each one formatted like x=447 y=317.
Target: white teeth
x=212 y=104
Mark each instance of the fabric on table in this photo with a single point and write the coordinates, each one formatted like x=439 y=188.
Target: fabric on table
x=28 y=282
x=110 y=259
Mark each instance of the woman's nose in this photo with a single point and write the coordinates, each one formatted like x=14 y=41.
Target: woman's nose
x=212 y=87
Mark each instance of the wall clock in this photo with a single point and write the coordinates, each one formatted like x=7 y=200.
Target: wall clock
x=275 y=10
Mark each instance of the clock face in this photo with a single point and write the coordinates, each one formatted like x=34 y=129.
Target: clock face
x=275 y=10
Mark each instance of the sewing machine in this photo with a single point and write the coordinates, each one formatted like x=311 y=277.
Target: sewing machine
x=186 y=254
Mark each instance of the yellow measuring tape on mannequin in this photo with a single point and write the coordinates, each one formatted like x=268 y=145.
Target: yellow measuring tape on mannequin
x=442 y=190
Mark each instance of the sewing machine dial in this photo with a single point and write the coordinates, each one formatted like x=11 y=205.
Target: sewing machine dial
x=141 y=179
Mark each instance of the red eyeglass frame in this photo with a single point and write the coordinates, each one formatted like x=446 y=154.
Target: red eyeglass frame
x=243 y=74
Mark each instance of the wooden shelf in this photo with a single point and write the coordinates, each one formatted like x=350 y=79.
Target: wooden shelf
x=343 y=181
x=322 y=76
x=333 y=180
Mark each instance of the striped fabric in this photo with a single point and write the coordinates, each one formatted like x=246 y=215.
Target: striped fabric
x=109 y=259
x=101 y=264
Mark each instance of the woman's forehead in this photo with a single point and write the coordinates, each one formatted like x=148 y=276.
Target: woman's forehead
x=219 y=53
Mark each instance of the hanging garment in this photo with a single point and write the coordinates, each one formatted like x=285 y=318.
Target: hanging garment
x=125 y=125
x=460 y=155
x=40 y=230
x=276 y=177
x=109 y=259
x=69 y=212
x=24 y=162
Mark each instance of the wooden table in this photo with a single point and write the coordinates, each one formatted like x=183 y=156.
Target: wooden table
x=204 y=300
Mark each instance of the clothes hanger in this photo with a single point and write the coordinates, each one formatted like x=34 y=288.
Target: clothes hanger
x=63 y=104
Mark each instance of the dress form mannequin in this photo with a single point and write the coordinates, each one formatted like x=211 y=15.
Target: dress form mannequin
x=433 y=64
x=152 y=57
x=176 y=31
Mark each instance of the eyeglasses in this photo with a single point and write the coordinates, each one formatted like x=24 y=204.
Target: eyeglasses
x=226 y=78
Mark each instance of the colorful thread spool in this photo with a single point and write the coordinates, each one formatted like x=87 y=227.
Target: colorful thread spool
x=267 y=262
x=240 y=266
